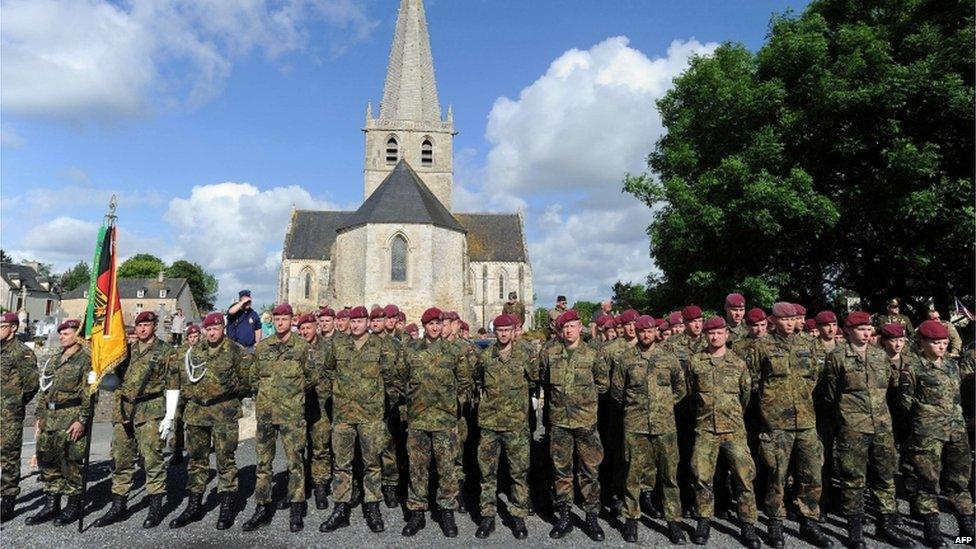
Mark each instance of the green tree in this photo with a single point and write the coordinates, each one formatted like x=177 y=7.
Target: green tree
x=838 y=158
x=586 y=309
x=79 y=275
x=141 y=266
x=203 y=284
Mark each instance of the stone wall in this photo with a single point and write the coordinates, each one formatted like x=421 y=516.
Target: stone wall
x=489 y=293
x=410 y=136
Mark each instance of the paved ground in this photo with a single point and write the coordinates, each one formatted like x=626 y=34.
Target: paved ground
x=202 y=534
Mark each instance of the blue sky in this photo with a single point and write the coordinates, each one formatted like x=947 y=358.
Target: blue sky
x=210 y=119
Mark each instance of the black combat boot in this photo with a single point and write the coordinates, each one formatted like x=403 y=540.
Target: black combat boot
x=296 y=517
x=855 y=532
x=261 y=517
x=374 y=519
x=321 y=492
x=282 y=505
x=967 y=524
x=155 y=515
x=647 y=505
x=115 y=513
x=702 y=531
x=518 y=528
x=775 y=535
x=71 y=511
x=564 y=524
x=593 y=527
x=390 y=498
x=51 y=509
x=415 y=523
x=676 y=535
x=191 y=513
x=7 y=507
x=750 y=538
x=933 y=533
x=630 y=531
x=338 y=519
x=461 y=508
x=225 y=519
x=810 y=531
x=448 y=526
x=888 y=532
x=485 y=528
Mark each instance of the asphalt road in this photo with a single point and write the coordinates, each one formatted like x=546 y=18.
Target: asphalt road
x=202 y=534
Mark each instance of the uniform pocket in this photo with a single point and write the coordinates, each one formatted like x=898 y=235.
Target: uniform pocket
x=854 y=380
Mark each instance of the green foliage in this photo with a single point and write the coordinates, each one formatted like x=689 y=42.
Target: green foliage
x=141 y=266
x=202 y=284
x=586 y=309
x=79 y=275
x=541 y=320
x=836 y=159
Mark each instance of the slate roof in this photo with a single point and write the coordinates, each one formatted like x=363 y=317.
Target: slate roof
x=312 y=233
x=493 y=237
x=402 y=198
x=27 y=275
x=129 y=288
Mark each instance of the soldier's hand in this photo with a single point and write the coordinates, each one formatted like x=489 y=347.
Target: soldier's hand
x=75 y=430
x=165 y=428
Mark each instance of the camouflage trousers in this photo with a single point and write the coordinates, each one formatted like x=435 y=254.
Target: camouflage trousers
x=372 y=437
x=589 y=454
x=704 y=457
x=224 y=438
x=390 y=458
x=293 y=439
x=948 y=461
x=11 y=441
x=442 y=446
x=462 y=435
x=130 y=442
x=60 y=461
x=319 y=435
x=855 y=455
x=778 y=447
x=516 y=445
x=649 y=457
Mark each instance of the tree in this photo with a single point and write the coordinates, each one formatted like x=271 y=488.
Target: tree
x=838 y=158
x=141 y=266
x=586 y=309
x=202 y=284
x=76 y=276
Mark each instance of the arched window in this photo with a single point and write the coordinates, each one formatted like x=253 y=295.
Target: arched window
x=398 y=259
x=501 y=285
x=427 y=153
x=392 y=150
x=307 y=292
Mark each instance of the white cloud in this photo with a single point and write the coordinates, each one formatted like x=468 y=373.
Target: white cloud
x=96 y=59
x=64 y=241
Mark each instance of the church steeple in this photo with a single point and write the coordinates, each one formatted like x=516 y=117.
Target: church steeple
x=410 y=92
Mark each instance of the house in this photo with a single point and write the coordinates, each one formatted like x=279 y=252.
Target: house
x=26 y=291
x=162 y=295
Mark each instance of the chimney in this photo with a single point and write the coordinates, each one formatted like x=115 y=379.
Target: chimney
x=161 y=276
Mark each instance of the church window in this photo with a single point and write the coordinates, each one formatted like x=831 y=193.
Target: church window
x=392 y=151
x=398 y=259
x=427 y=153
x=308 y=285
x=501 y=285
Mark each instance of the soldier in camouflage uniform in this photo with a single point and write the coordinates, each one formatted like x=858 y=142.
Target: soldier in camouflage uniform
x=824 y=344
x=281 y=375
x=573 y=376
x=684 y=344
x=893 y=315
x=744 y=348
x=735 y=314
x=788 y=375
x=390 y=459
x=19 y=368
x=894 y=343
x=342 y=321
x=613 y=471
x=192 y=334
x=514 y=307
x=930 y=392
x=212 y=380
x=720 y=387
x=145 y=409
x=647 y=383
x=955 y=341
x=451 y=332
x=437 y=382
x=317 y=331
x=365 y=386
x=62 y=412
x=857 y=378
x=504 y=375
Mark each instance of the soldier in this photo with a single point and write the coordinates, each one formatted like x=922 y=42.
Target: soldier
x=757 y=324
x=677 y=323
x=326 y=322
x=573 y=377
x=281 y=375
x=684 y=344
x=938 y=445
x=824 y=344
x=145 y=409
x=342 y=321
x=788 y=375
x=212 y=381
x=412 y=332
x=19 y=366
x=392 y=322
x=514 y=307
x=192 y=337
x=648 y=383
x=436 y=380
x=857 y=378
x=735 y=312
x=720 y=384
x=62 y=412
x=613 y=471
x=955 y=342
x=317 y=413
x=554 y=314
x=799 y=323
x=893 y=315
x=378 y=320
x=893 y=342
x=504 y=375
x=364 y=384
x=664 y=331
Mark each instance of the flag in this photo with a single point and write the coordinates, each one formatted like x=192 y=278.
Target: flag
x=103 y=321
x=961 y=310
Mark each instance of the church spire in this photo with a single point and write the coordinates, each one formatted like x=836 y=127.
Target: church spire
x=410 y=92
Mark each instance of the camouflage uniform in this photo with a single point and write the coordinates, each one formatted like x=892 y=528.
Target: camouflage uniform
x=648 y=385
x=857 y=388
x=573 y=380
x=317 y=414
x=65 y=402
x=504 y=384
x=684 y=347
x=361 y=381
x=469 y=354
x=516 y=309
x=394 y=424
x=930 y=392
x=788 y=374
x=886 y=318
x=613 y=471
x=281 y=375
x=19 y=371
x=736 y=333
x=721 y=388
x=140 y=406
x=212 y=408
x=437 y=380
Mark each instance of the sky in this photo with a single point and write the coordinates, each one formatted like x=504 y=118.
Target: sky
x=211 y=119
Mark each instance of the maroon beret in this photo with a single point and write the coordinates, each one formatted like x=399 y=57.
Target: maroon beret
x=665 y=325
x=691 y=312
x=810 y=325
x=735 y=300
x=326 y=311
x=146 y=316
x=358 y=312
x=782 y=309
x=602 y=320
x=825 y=317
x=893 y=330
x=660 y=323
x=192 y=329
x=464 y=326
x=402 y=316
x=645 y=322
x=304 y=319
x=430 y=314
x=342 y=313
x=10 y=318
x=609 y=323
x=504 y=321
x=69 y=324
x=628 y=316
x=713 y=323
x=391 y=311
x=453 y=315
x=755 y=316
x=933 y=329
x=857 y=318
x=568 y=316
x=800 y=309
x=213 y=319
x=411 y=328
x=377 y=312
x=282 y=309
x=675 y=318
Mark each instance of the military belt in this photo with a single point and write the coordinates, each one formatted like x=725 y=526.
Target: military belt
x=70 y=403
x=213 y=401
x=142 y=398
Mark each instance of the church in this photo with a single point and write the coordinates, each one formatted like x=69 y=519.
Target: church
x=405 y=244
